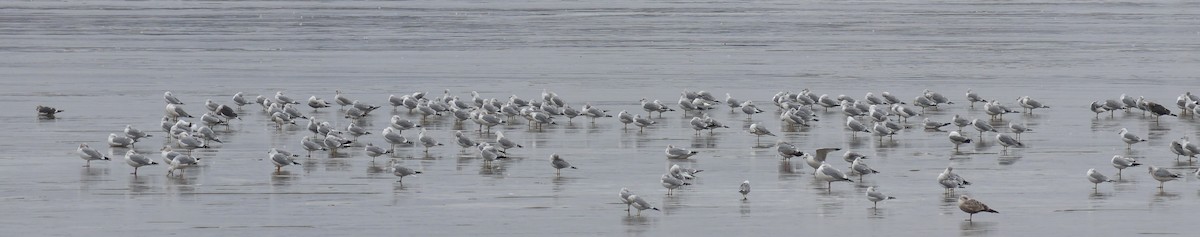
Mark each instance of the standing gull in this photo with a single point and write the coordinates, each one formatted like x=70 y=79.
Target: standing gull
x=1018 y=129
x=374 y=151
x=875 y=196
x=640 y=204
x=744 y=189
x=281 y=159
x=671 y=183
x=558 y=163
x=624 y=197
x=137 y=160
x=1096 y=178
x=759 y=131
x=1121 y=163
x=958 y=139
x=1129 y=138
x=1163 y=175
x=427 y=141
x=678 y=152
x=88 y=154
x=115 y=140
x=982 y=127
x=642 y=123
x=393 y=137
x=973 y=97
x=950 y=180
x=787 y=150
x=860 y=167
x=401 y=171
x=972 y=206
x=829 y=174
x=1007 y=141
x=170 y=98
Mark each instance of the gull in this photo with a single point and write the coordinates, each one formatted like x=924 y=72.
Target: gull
x=490 y=120
x=317 y=103
x=558 y=163
x=1096 y=178
x=168 y=154
x=829 y=174
x=1007 y=141
x=881 y=130
x=825 y=101
x=642 y=123
x=950 y=180
x=284 y=99
x=850 y=156
x=571 y=113
x=489 y=153
x=340 y=99
x=333 y=141
x=211 y=119
x=1017 y=129
x=1121 y=163
x=281 y=118
x=1112 y=105
x=115 y=140
x=733 y=103
x=396 y=102
x=640 y=204
x=134 y=133
x=958 y=139
x=206 y=134
x=593 y=112
x=1030 y=104
x=878 y=113
x=758 y=131
x=821 y=154
x=210 y=105
x=624 y=197
x=189 y=142
x=463 y=140
x=983 y=127
x=180 y=161
x=1097 y=108
x=88 y=154
x=393 y=137
x=374 y=151
x=505 y=143
x=227 y=111
x=923 y=102
x=860 y=167
x=749 y=108
x=744 y=189
x=855 y=126
x=960 y=122
x=996 y=110
x=1158 y=110
x=671 y=183
x=401 y=171
x=875 y=196
x=1192 y=148
x=625 y=118
x=137 y=160
x=934 y=125
x=654 y=106
x=47 y=111
x=170 y=98
x=890 y=99
x=280 y=160
x=1163 y=175
x=973 y=97
x=402 y=124
x=366 y=108
x=872 y=99
x=972 y=206
x=713 y=124
x=1178 y=148
x=1129 y=138
x=427 y=141
x=683 y=173
x=937 y=98
x=291 y=111
x=356 y=131
x=678 y=153
x=849 y=109
x=698 y=125
x=263 y=101
x=176 y=112
x=311 y=146
x=239 y=100
x=541 y=118
x=787 y=150
x=686 y=105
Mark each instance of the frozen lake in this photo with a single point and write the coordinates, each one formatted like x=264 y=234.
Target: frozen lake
x=107 y=64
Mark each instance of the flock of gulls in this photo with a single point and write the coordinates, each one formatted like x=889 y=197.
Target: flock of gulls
x=879 y=116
